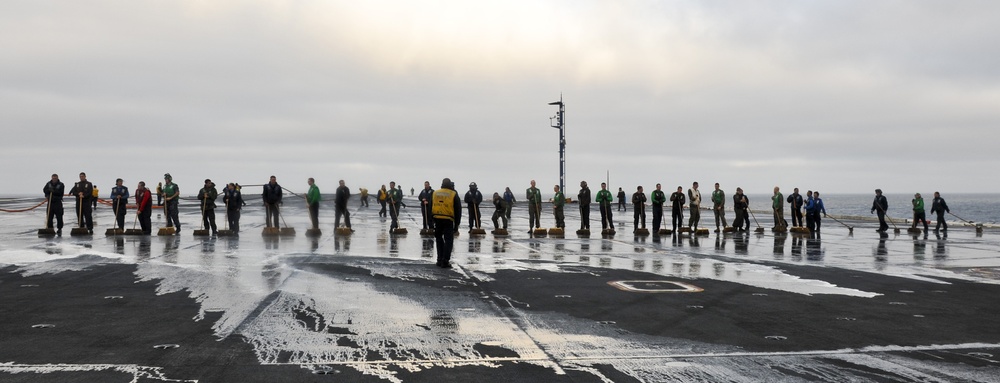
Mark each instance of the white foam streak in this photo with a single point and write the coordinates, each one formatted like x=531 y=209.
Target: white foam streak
x=139 y=373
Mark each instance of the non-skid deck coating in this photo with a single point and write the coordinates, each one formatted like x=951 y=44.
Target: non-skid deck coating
x=374 y=307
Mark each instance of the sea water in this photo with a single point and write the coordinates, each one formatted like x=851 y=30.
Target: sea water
x=975 y=207
x=980 y=208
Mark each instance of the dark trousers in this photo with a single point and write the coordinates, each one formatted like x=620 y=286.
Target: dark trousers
x=314 y=215
x=120 y=210
x=394 y=214
x=381 y=213
x=676 y=217
x=621 y=204
x=271 y=217
x=657 y=217
x=364 y=201
x=208 y=220
x=606 y=219
x=720 y=215
x=639 y=215
x=779 y=217
x=811 y=221
x=882 y=226
x=347 y=217
x=145 y=223
x=425 y=211
x=86 y=215
x=796 y=217
x=557 y=211
x=474 y=220
x=510 y=205
x=741 y=222
x=172 y=214
x=533 y=219
x=233 y=215
x=55 y=211
x=500 y=214
x=817 y=220
x=695 y=217
x=918 y=217
x=444 y=239
x=940 y=221
x=584 y=216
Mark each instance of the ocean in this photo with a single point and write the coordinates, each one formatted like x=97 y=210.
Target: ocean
x=980 y=208
x=976 y=207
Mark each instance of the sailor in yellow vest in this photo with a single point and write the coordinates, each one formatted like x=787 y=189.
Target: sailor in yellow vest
x=96 y=194
x=446 y=208
x=381 y=200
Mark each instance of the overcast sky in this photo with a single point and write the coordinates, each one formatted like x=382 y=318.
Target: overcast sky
x=839 y=96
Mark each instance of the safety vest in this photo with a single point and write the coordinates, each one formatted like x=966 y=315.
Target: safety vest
x=444 y=204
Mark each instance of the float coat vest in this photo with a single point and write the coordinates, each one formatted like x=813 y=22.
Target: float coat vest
x=443 y=206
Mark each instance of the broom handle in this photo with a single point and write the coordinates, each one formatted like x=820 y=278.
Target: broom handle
x=116 y=203
x=47 y=207
x=395 y=208
x=754 y=217
x=887 y=216
x=136 y=220
x=203 y=199
x=963 y=219
x=423 y=210
x=611 y=224
x=838 y=221
x=476 y=210
x=79 y=211
x=663 y=217
x=267 y=214
x=281 y=216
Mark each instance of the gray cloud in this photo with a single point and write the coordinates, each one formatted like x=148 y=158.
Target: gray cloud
x=838 y=96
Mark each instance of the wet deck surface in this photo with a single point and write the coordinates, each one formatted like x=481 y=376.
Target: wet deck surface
x=374 y=307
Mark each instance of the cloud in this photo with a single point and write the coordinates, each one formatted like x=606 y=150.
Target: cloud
x=841 y=95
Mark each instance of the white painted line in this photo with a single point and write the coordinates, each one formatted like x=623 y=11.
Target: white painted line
x=630 y=286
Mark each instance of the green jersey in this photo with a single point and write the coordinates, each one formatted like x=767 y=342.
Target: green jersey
x=534 y=196
x=719 y=197
x=658 y=197
x=604 y=197
x=313 y=195
x=170 y=189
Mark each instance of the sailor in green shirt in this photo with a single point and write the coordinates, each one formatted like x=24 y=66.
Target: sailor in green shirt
x=604 y=199
x=534 y=206
x=778 y=205
x=658 y=199
x=918 y=211
x=170 y=193
x=719 y=206
x=393 y=199
x=558 y=202
x=312 y=199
